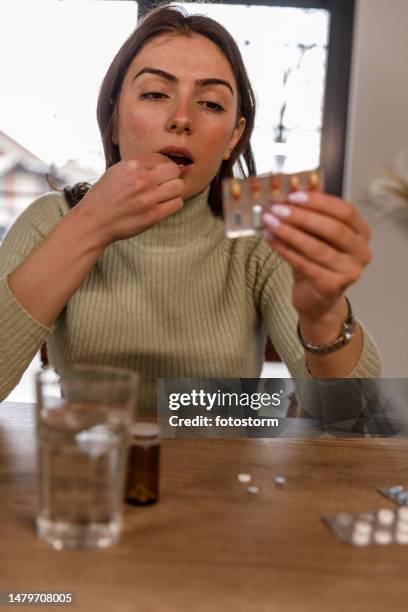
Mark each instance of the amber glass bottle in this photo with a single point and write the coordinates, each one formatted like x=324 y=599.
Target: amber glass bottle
x=142 y=478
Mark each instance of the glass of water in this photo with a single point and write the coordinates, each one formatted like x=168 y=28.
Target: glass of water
x=83 y=417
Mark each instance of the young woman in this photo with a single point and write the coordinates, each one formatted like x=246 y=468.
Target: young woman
x=137 y=271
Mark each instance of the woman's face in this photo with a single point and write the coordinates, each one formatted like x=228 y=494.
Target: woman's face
x=179 y=96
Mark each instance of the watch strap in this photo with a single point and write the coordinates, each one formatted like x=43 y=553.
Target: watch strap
x=346 y=334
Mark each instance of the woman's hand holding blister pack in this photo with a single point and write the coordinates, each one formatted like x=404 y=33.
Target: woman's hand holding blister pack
x=325 y=241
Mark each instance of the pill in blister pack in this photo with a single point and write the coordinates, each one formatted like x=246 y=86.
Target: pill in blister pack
x=244 y=200
x=381 y=527
x=396 y=493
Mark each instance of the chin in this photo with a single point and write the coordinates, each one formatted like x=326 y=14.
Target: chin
x=191 y=194
x=190 y=191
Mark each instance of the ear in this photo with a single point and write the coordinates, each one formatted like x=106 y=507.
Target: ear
x=236 y=135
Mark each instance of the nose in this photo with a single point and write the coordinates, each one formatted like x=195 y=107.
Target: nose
x=180 y=120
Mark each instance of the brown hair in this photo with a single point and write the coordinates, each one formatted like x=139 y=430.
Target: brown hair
x=170 y=19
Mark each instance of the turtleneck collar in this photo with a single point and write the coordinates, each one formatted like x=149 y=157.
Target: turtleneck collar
x=188 y=225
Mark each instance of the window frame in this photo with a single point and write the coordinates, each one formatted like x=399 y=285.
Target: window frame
x=336 y=97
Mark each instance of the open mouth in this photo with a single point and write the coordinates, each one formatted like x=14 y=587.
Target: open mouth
x=179 y=159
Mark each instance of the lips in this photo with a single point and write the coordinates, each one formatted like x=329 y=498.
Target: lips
x=178 y=155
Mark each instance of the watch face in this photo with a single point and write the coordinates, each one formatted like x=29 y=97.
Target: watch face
x=347 y=332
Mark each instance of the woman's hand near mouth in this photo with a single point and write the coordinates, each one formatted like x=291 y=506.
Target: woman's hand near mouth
x=132 y=196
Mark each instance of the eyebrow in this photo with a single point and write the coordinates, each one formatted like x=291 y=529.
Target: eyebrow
x=173 y=79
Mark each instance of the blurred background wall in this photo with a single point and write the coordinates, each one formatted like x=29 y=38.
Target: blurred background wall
x=378 y=131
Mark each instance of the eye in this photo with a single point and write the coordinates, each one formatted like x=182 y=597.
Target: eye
x=213 y=106
x=152 y=95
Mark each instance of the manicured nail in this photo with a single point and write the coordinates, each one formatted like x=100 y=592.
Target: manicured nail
x=267 y=234
x=281 y=210
x=298 y=197
x=271 y=220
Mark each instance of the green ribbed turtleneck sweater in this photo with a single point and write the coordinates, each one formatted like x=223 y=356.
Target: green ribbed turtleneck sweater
x=179 y=300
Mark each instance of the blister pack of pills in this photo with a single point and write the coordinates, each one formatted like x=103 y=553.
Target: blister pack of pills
x=380 y=527
x=396 y=493
x=244 y=200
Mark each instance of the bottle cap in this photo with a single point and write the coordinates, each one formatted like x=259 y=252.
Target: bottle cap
x=144 y=430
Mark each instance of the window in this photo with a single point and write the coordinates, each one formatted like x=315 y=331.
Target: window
x=50 y=85
x=51 y=79
x=285 y=53
x=298 y=55
x=57 y=54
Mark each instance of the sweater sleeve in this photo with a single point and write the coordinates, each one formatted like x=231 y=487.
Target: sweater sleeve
x=21 y=335
x=273 y=282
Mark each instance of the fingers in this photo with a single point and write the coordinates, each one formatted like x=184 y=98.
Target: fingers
x=148 y=161
x=141 y=174
x=315 y=251
x=324 y=240
x=166 y=209
x=328 y=229
x=135 y=194
x=156 y=213
x=326 y=282
x=332 y=206
x=323 y=248
x=142 y=188
x=165 y=191
x=313 y=248
x=164 y=172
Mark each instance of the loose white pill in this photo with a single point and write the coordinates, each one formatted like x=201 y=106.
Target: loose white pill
x=280 y=480
x=402 y=526
x=385 y=516
x=360 y=539
x=403 y=513
x=244 y=477
x=252 y=490
x=401 y=537
x=362 y=527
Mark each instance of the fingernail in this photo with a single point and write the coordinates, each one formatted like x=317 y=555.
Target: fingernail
x=267 y=234
x=281 y=210
x=271 y=220
x=298 y=197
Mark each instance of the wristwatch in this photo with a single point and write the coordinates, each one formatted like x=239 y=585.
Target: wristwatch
x=346 y=334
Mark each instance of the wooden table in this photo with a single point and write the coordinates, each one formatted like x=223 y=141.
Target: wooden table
x=211 y=546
